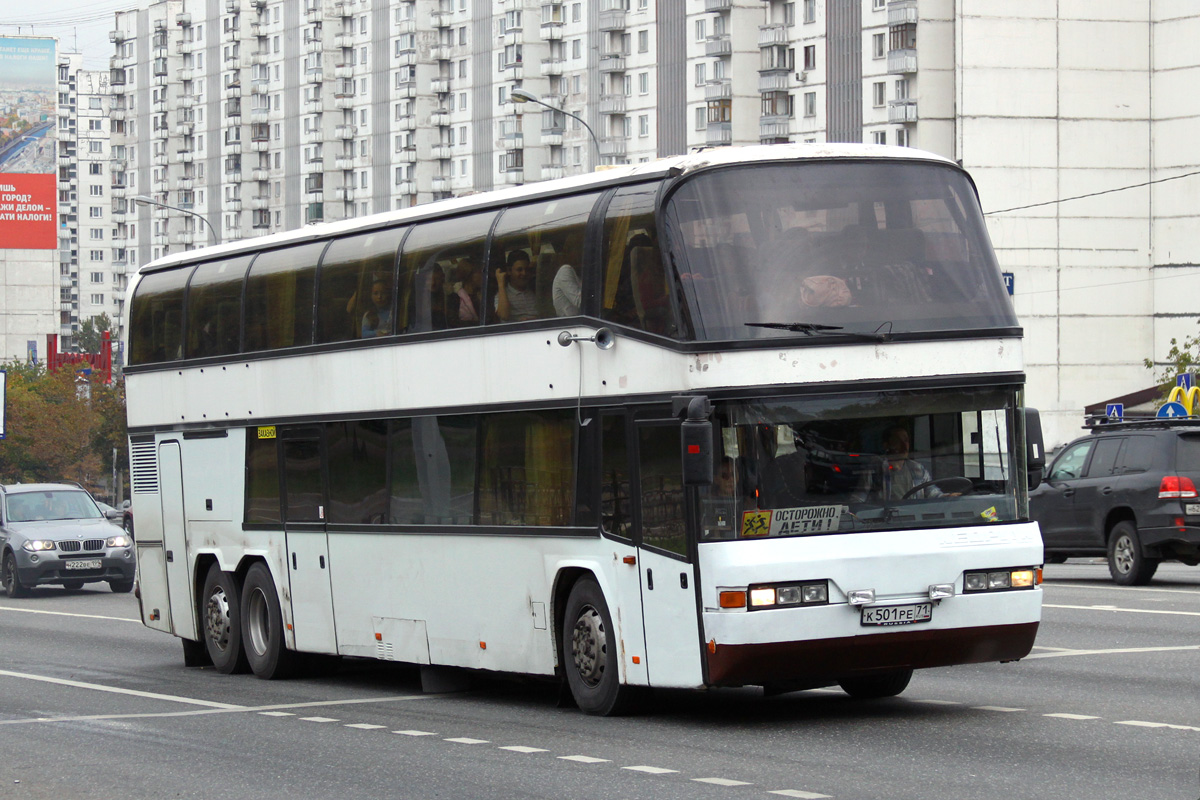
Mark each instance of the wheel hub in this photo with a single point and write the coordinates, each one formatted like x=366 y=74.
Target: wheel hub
x=589 y=646
x=217 y=619
x=1123 y=554
x=257 y=624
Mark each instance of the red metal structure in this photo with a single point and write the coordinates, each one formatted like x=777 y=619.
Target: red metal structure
x=100 y=363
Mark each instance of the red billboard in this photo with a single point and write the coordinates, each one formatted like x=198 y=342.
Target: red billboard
x=28 y=159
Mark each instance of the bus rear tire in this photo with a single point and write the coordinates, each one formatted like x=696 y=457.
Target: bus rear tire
x=590 y=653
x=262 y=627
x=873 y=687
x=221 y=617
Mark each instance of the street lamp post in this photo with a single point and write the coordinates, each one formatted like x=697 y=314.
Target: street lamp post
x=522 y=96
x=143 y=200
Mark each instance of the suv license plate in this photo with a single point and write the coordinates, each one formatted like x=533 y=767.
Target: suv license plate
x=90 y=563
x=1191 y=509
x=897 y=615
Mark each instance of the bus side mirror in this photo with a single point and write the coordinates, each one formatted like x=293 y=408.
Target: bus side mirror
x=696 y=440
x=1035 y=450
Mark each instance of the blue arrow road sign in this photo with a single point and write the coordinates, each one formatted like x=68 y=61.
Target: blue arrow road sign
x=1114 y=410
x=1172 y=411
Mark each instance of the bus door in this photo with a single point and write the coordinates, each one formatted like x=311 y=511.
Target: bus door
x=304 y=507
x=667 y=570
x=174 y=521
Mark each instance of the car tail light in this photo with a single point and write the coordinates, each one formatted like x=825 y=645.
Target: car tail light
x=1176 y=486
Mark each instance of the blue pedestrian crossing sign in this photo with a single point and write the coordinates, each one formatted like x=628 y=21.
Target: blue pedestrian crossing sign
x=1114 y=410
x=1172 y=411
x=1184 y=380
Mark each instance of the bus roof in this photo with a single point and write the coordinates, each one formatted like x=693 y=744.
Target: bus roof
x=632 y=173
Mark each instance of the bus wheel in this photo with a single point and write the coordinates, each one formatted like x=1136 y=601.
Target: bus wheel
x=590 y=652
x=872 y=687
x=262 y=626
x=222 y=625
x=1126 y=563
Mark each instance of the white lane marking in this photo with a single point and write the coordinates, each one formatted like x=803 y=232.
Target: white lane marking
x=317 y=719
x=465 y=740
x=117 y=690
x=584 y=759
x=1112 y=651
x=1114 y=588
x=939 y=702
x=996 y=708
x=516 y=748
x=651 y=770
x=1142 y=724
x=415 y=733
x=68 y=614
x=721 y=782
x=277 y=713
x=363 y=726
x=798 y=793
x=1069 y=716
x=1126 y=610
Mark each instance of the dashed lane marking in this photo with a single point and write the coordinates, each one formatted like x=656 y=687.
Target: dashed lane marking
x=516 y=748
x=277 y=713
x=798 y=793
x=939 y=702
x=1126 y=610
x=996 y=708
x=415 y=733
x=465 y=740
x=317 y=719
x=1070 y=716
x=651 y=770
x=1139 y=723
x=585 y=759
x=721 y=782
x=364 y=726
x=1059 y=652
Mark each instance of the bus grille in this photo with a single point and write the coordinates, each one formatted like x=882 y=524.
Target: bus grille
x=143 y=467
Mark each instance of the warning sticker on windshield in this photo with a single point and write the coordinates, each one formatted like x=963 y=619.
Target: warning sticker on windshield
x=791 y=521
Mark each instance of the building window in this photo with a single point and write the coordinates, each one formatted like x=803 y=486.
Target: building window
x=701 y=68
x=644 y=125
x=877 y=5
x=789 y=14
x=879 y=137
x=878 y=94
x=902 y=139
x=97 y=299
x=643 y=41
x=701 y=30
x=644 y=83
x=96 y=255
x=903 y=37
x=810 y=10
x=95 y=211
x=810 y=104
x=810 y=56
x=97 y=277
x=877 y=46
x=902 y=89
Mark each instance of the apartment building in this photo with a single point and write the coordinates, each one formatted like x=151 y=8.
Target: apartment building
x=262 y=115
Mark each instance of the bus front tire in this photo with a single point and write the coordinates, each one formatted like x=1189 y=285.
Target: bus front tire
x=222 y=622
x=262 y=626
x=873 y=687
x=1126 y=563
x=590 y=653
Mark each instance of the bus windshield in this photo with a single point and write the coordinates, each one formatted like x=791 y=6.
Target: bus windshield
x=871 y=461
x=833 y=247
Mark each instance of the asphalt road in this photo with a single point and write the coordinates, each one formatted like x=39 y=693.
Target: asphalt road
x=1108 y=706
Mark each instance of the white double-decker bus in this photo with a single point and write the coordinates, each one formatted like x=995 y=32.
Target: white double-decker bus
x=751 y=416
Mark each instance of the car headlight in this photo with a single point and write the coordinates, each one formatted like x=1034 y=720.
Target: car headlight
x=120 y=540
x=38 y=545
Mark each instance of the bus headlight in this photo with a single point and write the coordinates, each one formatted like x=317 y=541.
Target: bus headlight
x=1001 y=580
x=809 y=593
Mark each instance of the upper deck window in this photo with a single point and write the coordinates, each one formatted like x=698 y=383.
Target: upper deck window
x=852 y=244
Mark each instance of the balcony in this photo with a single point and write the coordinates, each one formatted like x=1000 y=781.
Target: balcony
x=260 y=202
x=718 y=89
x=313 y=45
x=342 y=71
x=552 y=137
x=552 y=172
x=440 y=184
x=343 y=40
x=774 y=127
x=903 y=12
x=343 y=194
x=232 y=149
x=181 y=237
x=512 y=177
x=513 y=71
x=441 y=19
x=720 y=45
x=612 y=104
x=160 y=159
x=901 y=62
x=406 y=187
x=719 y=133
x=440 y=86
x=772 y=81
x=512 y=141
x=902 y=111
x=344 y=101
x=409 y=25
x=314 y=76
x=184 y=184
x=184 y=128
x=259 y=145
x=717 y=5
x=343 y=163
x=344 y=132
x=440 y=152
x=552 y=31
x=440 y=118
x=233 y=205
x=612 y=146
x=775 y=33
x=314 y=104
x=612 y=62
x=406 y=156
x=551 y=66
x=440 y=52
x=612 y=19
x=407 y=123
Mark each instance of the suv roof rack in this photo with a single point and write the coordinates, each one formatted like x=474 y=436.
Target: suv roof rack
x=1098 y=423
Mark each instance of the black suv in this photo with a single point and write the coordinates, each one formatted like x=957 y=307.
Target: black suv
x=1126 y=490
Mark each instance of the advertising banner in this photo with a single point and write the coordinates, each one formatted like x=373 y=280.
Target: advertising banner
x=28 y=161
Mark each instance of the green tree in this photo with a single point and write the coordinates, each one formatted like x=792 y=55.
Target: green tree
x=1182 y=357
x=91 y=333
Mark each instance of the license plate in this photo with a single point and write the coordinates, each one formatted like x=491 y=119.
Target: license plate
x=897 y=615
x=1191 y=509
x=88 y=563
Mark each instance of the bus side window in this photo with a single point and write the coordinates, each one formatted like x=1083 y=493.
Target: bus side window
x=156 y=312
x=460 y=240
x=214 y=304
x=262 y=479
x=636 y=291
x=343 y=291
x=279 y=297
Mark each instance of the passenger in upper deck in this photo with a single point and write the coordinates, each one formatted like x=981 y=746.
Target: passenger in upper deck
x=567 y=293
x=377 y=321
x=516 y=299
x=464 y=305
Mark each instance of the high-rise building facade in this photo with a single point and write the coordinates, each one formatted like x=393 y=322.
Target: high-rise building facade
x=263 y=115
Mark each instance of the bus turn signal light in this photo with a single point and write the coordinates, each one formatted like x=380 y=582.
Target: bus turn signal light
x=735 y=599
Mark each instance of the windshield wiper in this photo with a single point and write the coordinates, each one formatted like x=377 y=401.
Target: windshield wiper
x=814 y=329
